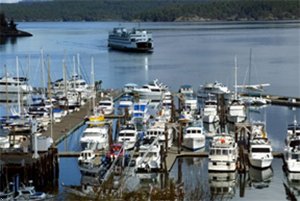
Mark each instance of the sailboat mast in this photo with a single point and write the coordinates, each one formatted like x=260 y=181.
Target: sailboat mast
x=6 y=90
x=250 y=60
x=50 y=98
x=93 y=84
x=235 y=77
x=18 y=78
x=78 y=65
x=43 y=74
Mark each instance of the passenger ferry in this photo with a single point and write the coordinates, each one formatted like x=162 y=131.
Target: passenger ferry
x=138 y=40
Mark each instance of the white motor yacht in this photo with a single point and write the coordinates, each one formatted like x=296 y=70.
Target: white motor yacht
x=149 y=156
x=158 y=130
x=106 y=105
x=128 y=136
x=236 y=111
x=260 y=149
x=15 y=85
x=292 y=148
x=210 y=111
x=194 y=138
x=96 y=132
x=222 y=153
x=152 y=89
x=212 y=88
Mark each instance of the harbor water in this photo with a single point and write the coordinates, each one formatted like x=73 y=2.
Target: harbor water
x=184 y=53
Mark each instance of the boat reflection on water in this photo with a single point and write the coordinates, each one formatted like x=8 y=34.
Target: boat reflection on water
x=292 y=185
x=138 y=181
x=260 y=178
x=89 y=188
x=222 y=184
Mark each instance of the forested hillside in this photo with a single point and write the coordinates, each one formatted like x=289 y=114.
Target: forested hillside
x=153 y=10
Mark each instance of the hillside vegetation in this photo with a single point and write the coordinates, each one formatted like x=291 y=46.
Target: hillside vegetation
x=153 y=10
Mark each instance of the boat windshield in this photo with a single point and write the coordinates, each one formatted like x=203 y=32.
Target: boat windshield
x=260 y=150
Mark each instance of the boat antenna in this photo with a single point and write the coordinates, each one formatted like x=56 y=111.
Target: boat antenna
x=43 y=76
x=250 y=66
x=18 y=78
x=50 y=98
x=235 y=77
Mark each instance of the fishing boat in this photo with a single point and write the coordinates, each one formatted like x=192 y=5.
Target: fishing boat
x=136 y=40
x=194 y=138
x=128 y=136
x=260 y=149
x=292 y=148
x=222 y=153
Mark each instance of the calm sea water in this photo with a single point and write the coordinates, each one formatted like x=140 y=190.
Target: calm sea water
x=185 y=53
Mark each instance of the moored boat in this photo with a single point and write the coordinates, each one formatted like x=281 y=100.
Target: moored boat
x=222 y=153
x=260 y=149
x=292 y=148
x=194 y=138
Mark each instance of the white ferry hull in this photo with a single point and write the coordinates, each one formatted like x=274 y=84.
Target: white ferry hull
x=130 y=46
x=221 y=166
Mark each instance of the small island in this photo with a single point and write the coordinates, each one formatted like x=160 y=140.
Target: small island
x=10 y=29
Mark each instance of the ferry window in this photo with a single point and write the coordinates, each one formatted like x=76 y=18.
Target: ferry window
x=295 y=156
x=225 y=152
x=212 y=152
x=218 y=151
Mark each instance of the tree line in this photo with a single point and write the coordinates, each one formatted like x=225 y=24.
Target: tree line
x=153 y=10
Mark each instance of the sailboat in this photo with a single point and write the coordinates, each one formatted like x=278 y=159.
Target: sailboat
x=236 y=109
x=253 y=91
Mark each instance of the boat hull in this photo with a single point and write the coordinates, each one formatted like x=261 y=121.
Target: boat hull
x=260 y=163
x=194 y=144
x=222 y=166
